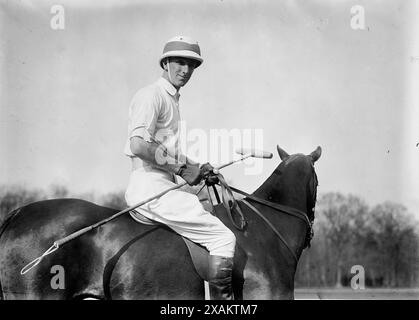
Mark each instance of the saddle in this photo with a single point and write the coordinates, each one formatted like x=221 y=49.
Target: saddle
x=199 y=254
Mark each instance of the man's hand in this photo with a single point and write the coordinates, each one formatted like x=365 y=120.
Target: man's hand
x=191 y=174
x=207 y=171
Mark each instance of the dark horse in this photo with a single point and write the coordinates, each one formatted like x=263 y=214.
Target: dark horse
x=124 y=259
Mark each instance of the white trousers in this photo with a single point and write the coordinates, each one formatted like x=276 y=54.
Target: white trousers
x=179 y=210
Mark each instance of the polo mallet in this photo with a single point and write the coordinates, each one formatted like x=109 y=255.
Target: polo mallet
x=246 y=154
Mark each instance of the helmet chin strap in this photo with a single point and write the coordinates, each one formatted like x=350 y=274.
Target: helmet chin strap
x=170 y=76
x=168 y=72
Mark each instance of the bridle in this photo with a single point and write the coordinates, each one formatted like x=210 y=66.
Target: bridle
x=231 y=206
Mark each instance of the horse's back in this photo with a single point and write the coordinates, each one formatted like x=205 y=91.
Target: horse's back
x=29 y=232
x=119 y=257
x=63 y=214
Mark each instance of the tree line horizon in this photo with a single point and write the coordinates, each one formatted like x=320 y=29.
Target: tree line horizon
x=383 y=239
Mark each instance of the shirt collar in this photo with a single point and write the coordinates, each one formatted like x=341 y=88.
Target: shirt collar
x=169 y=87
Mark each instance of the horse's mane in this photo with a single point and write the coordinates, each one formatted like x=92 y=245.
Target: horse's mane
x=311 y=205
x=312 y=196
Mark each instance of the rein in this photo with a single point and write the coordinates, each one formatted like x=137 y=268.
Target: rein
x=231 y=205
x=279 y=207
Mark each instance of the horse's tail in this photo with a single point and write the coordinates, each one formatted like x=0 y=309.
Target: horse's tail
x=3 y=228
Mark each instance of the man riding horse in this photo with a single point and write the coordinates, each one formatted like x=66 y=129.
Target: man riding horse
x=153 y=146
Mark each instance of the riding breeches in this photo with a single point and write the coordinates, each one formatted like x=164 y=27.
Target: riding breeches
x=179 y=210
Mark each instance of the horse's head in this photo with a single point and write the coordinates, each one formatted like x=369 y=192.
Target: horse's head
x=294 y=182
x=296 y=176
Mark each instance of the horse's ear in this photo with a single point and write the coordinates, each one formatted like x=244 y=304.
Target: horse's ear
x=282 y=154
x=315 y=155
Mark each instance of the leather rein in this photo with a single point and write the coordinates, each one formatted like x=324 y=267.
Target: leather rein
x=231 y=206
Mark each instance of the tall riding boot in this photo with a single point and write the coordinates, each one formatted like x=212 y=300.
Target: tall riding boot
x=220 y=276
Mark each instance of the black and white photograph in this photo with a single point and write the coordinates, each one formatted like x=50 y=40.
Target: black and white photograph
x=209 y=150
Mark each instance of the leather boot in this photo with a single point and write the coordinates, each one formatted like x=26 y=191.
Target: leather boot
x=220 y=276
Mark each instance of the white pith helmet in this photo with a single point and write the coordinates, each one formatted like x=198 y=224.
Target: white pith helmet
x=182 y=46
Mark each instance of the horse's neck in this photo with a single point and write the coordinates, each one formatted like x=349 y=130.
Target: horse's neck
x=271 y=190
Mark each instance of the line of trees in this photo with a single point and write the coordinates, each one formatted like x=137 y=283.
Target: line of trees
x=384 y=239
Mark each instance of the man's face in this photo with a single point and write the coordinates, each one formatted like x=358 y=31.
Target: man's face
x=179 y=70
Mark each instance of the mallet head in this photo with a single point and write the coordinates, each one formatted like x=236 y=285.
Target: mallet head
x=255 y=153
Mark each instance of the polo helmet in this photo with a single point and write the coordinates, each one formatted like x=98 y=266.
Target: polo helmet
x=184 y=47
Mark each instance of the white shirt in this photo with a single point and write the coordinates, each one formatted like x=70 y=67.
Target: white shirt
x=154 y=114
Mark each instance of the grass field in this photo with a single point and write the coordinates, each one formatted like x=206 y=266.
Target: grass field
x=360 y=294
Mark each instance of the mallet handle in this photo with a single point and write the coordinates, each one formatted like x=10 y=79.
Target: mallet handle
x=116 y=215
x=82 y=231
x=78 y=233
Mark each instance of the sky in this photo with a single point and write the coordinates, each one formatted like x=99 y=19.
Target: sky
x=298 y=74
